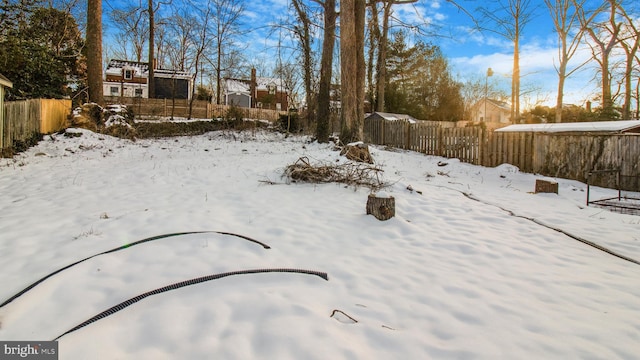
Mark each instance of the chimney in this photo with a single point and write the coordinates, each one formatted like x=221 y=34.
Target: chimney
x=252 y=87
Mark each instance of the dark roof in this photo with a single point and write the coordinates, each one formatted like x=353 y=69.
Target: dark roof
x=115 y=67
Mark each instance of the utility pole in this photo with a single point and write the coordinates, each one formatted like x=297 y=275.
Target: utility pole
x=486 y=93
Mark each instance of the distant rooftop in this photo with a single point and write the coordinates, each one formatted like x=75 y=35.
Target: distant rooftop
x=262 y=83
x=115 y=67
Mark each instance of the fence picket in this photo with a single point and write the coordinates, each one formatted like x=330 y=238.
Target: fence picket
x=25 y=118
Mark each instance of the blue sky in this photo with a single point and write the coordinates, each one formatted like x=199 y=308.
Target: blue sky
x=470 y=52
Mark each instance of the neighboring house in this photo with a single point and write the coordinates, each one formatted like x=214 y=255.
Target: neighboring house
x=390 y=117
x=257 y=92
x=497 y=112
x=4 y=83
x=131 y=79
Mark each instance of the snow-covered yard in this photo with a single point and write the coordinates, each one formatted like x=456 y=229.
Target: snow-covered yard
x=454 y=275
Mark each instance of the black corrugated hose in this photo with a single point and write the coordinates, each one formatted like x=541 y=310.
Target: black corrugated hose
x=158 y=237
x=181 y=284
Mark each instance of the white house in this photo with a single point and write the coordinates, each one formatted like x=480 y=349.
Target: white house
x=492 y=111
x=257 y=92
x=131 y=79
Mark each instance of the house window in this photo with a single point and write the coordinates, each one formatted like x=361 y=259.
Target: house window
x=138 y=92
x=128 y=74
x=114 y=90
x=272 y=89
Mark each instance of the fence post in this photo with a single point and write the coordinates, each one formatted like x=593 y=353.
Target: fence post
x=440 y=142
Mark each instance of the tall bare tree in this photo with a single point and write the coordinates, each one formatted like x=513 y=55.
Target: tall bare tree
x=629 y=40
x=373 y=31
x=94 y=51
x=151 y=10
x=508 y=18
x=567 y=26
x=302 y=31
x=326 y=69
x=352 y=69
x=181 y=28
x=379 y=40
x=202 y=40
x=133 y=28
x=226 y=27
x=604 y=38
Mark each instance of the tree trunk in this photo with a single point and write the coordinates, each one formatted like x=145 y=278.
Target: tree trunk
x=326 y=69
x=562 y=76
x=360 y=10
x=304 y=36
x=152 y=25
x=94 y=51
x=351 y=129
x=219 y=72
x=631 y=51
x=374 y=40
x=560 y=98
x=381 y=78
x=515 y=83
x=383 y=208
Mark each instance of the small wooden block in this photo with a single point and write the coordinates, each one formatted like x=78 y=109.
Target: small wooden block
x=546 y=186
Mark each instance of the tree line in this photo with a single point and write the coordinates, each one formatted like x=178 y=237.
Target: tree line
x=356 y=52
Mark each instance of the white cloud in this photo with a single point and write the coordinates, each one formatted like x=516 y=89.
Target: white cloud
x=537 y=71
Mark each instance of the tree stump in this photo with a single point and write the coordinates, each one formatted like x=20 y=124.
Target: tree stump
x=383 y=208
x=357 y=152
x=546 y=186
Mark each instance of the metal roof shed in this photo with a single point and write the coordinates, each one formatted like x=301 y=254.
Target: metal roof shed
x=4 y=83
x=599 y=127
x=391 y=117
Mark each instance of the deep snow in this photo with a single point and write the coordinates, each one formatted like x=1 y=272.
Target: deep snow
x=448 y=278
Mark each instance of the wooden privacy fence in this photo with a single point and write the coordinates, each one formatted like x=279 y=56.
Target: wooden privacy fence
x=180 y=108
x=508 y=148
x=36 y=116
x=426 y=137
x=574 y=156
x=569 y=156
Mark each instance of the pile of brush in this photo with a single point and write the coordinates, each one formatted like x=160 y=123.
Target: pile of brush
x=350 y=173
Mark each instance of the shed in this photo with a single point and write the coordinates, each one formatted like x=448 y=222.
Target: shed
x=595 y=127
x=4 y=83
x=390 y=117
